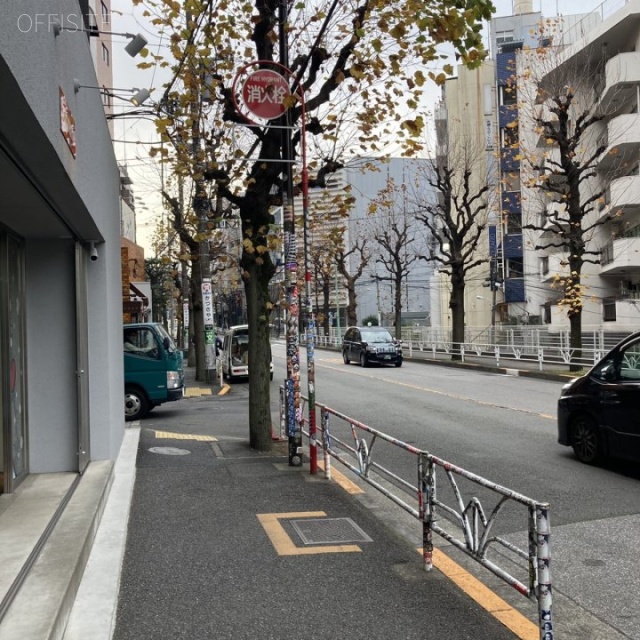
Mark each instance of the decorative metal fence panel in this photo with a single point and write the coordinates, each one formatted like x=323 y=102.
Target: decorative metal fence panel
x=471 y=505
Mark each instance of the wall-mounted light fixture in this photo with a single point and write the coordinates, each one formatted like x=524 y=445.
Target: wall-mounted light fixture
x=133 y=48
x=93 y=251
x=138 y=98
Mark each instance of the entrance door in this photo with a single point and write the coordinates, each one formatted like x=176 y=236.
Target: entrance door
x=82 y=357
x=14 y=458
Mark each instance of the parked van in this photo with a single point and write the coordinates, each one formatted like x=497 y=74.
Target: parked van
x=153 y=371
x=235 y=353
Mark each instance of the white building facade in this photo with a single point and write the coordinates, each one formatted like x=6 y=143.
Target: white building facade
x=598 y=57
x=600 y=49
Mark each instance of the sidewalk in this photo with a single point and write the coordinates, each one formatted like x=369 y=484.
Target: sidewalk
x=228 y=543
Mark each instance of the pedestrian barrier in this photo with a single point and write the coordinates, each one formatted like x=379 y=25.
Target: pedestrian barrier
x=538 y=349
x=351 y=443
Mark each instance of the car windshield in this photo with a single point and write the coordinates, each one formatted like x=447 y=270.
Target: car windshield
x=372 y=337
x=164 y=334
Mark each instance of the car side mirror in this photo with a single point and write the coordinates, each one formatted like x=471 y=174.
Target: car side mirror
x=166 y=343
x=609 y=372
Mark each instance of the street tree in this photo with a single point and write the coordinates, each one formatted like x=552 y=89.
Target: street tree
x=165 y=286
x=559 y=103
x=393 y=235
x=455 y=213
x=350 y=264
x=199 y=244
x=373 y=54
x=323 y=270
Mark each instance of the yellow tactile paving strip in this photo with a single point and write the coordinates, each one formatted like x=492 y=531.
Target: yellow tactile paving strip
x=487 y=599
x=342 y=480
x=194 y=392
x=184 y=436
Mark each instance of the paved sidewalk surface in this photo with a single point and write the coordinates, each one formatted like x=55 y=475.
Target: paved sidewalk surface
x=226 y=542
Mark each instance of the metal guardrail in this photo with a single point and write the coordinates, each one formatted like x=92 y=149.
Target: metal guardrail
x=351 y=443
x=559 y=357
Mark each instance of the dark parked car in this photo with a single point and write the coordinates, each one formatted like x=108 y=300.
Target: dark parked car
x=371 y=345
x=599 y=413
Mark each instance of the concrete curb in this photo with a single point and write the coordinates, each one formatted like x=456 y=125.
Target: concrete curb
x=93 y=613
x=42 y=606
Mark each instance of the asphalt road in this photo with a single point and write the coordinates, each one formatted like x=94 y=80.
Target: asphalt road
x=503 y=428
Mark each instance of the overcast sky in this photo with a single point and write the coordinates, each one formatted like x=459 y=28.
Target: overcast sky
x=133 y=136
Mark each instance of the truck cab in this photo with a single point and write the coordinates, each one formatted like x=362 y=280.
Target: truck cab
x=235 y=354
x=153 y=371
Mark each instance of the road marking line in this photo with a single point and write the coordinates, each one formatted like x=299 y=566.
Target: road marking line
x=446 y=394
x=284 y=545
x=224 y=390
x=185 y=436
x=342 y=480
x=522 y=627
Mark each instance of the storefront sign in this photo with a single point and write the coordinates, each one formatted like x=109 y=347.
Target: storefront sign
x=67 y=124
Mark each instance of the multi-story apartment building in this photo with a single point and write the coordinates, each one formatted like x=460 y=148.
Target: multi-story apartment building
x=465 y=140
x=523 y=279
x=597 y=56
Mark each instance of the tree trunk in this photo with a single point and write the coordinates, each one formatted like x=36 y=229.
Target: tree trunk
x=352 y=304
x=198 y=326
x=326 y=305
x=456 y=304
x=575 y=340
x=257 y=292
x=398 y=308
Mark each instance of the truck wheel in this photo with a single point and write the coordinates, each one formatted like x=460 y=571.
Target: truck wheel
x=136 y=404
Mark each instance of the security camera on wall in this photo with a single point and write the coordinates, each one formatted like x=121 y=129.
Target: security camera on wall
x=93 y=253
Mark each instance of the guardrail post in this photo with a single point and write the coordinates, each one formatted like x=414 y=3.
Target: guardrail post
x=326 y=442
x=283 y=411
x=425 y=500
x=544 y=595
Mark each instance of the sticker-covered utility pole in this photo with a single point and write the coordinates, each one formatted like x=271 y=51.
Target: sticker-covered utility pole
x=294 y=408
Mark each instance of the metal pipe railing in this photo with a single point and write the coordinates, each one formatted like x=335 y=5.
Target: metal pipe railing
x=474 y=524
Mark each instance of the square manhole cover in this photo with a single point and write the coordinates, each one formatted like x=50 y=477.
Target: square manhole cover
x=329 y=531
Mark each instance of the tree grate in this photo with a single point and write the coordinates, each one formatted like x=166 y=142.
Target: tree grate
x=329 y=531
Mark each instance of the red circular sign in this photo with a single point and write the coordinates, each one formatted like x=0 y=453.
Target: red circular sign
x=264 y=93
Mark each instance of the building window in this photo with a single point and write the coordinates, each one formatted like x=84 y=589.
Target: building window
x=105 y=15
x=544 y=266
x=513 y=223
x=105 y=54
x=508 y=94
x=509 y=136
x=515 y=268
x=503 y=36
x=511 y=181
x=609 y=310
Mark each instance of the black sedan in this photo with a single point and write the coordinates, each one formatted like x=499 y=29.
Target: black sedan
x=599 y=413
x=371 y=345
